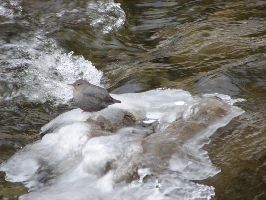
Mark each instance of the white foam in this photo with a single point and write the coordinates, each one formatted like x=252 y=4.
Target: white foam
x=46 y=69
x=107 y=16
x=79 y=163
x=103 y=16
x=10 y=8
x=143 y=172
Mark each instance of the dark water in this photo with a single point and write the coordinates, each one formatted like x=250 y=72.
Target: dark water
x=199 y=46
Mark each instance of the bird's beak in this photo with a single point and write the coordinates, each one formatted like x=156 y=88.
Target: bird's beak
x=70 y=84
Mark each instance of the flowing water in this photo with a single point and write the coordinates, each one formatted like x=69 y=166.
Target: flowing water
x=191 y=78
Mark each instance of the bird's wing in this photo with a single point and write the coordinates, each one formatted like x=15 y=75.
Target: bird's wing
x=97 y=93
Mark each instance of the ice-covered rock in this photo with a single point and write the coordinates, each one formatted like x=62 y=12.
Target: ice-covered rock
x=147 y=147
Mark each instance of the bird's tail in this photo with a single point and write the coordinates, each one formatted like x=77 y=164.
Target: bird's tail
x=116 y=101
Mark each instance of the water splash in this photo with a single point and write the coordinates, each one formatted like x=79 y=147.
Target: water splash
x=104 y=16
x=108 y=16
x=43 y=70
x=10 y=8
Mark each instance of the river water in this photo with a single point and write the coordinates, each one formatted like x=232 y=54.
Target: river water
x=191 y=78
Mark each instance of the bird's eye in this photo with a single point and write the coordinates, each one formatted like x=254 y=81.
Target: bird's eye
x=78 y=83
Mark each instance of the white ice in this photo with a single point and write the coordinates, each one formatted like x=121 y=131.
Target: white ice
x=72 y=162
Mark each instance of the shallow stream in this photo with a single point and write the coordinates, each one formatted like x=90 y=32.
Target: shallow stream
x=191 y=78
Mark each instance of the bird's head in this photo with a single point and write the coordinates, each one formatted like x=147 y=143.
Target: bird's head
x=80 y=84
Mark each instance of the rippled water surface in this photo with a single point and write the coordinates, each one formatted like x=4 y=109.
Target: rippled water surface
x=135 y=46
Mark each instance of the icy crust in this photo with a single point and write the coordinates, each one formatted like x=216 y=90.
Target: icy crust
x=147 y=147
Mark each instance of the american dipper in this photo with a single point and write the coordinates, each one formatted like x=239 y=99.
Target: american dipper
x=91 y=98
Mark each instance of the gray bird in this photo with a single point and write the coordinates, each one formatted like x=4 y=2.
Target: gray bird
x=91 y=98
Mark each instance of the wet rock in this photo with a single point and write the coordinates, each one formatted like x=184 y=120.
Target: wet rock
x=239 y=149
x=209 y=109
x=126 y=170
x=113 y=120
x=161 y=146
x=10 y=190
